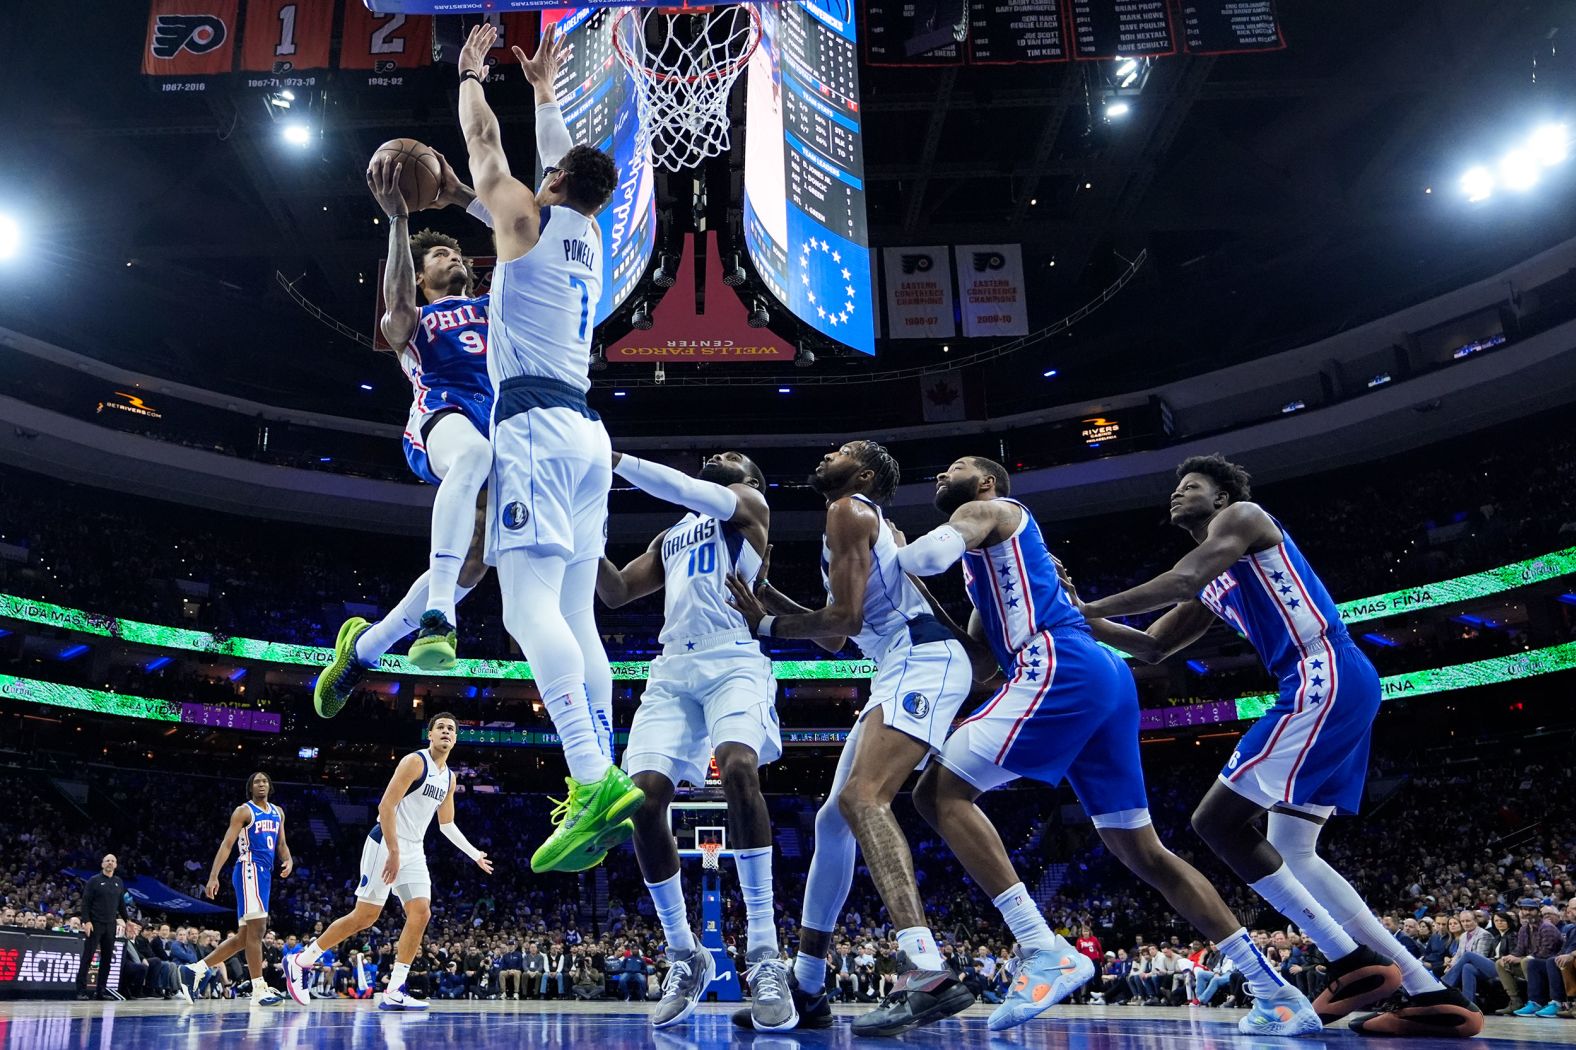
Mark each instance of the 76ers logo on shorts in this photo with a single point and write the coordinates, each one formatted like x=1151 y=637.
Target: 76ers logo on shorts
x=917 y=704
x=515 y=515
x=198 y=34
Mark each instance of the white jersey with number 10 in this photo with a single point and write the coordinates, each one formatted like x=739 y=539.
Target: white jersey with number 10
x=544 y=303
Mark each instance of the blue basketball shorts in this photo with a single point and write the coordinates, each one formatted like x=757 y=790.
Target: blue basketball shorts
x=474 y=406
x=251 y=881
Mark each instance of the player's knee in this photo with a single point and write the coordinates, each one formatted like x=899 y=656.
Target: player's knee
x=927 y=800
x=1204 y=823
x=417 y=912
x=829 y=819
x=741 y=778
x=856 y=803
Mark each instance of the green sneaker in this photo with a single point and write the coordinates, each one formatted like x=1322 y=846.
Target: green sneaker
x=336 y=682
x=597 y=852
x=433 y=649
x=592 y=814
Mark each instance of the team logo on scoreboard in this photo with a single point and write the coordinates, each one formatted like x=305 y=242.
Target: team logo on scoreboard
x=989 y=261
x=198 y=34
x=917 y=263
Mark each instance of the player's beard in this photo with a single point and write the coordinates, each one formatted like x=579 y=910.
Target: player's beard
x=953 y=494
x=719 y=473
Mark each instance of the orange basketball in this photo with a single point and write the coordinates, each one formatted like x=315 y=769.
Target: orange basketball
x=421 y=172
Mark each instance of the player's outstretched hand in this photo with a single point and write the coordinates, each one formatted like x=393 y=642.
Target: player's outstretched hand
x=383 y=181
x=212 y=889
x=287 y=867
x=542 y=68
x=473 y=56
x=483 y=863
x=745 y=601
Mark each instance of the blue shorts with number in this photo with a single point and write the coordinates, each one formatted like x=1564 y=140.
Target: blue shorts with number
x=252 y=882
x=474 y=406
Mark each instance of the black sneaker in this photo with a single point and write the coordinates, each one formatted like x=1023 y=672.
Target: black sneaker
x=1443 y=1013
x=918 y=997
x=1358 y=981
x=815 y=1011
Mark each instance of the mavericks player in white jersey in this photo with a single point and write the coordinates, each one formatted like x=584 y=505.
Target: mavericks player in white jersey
x=551 y=455
x=710 y=690
x=394 y=857
x=924 y=677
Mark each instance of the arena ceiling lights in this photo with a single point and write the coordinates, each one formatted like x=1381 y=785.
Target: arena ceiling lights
x=1522 y=166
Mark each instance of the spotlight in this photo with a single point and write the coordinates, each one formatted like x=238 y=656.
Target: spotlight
x=281 y=99
x=1550 y=143
x=734 y=275
x=641 y=318
x=1049 y=373
x=759 y=318
x=10 y=237
x=1293 y=406
x=1519 y=169
x=667 y=271
x=804 y=358
x=785 y=390
x=297 y=134
x=1114 y=110
x=1477 y=183
x=598 y=359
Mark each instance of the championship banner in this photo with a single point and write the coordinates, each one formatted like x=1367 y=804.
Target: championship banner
x=1230 y=27
x=919 y=293
x=286 y=42
x=386 y=47
x=1131 y=28
x=990 y=288
x=189 y=40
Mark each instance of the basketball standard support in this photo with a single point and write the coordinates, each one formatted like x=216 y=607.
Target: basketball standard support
x=724 y=986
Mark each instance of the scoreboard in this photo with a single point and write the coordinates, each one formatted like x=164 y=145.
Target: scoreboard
x=804 y=173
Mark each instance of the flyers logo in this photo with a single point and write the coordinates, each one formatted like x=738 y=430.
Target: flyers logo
x=283 y=67
x=385 y=66
x=198 y=34
x=989 y=261
x=917 y=263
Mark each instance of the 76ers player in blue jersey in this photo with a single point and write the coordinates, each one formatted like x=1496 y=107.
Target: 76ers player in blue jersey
x=1306 y=759
x=257 y=831
x=442 y=349
x=1067 y=708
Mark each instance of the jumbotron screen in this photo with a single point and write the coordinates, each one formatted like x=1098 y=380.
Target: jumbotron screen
x=804 y=177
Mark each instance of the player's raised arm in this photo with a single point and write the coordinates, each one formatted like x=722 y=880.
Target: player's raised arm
x=1232 y=533
x=401 y=311
x=723 y=502
x=239 y=818
x=541 y=69
x=516 y=220
x=645 y=575
x=452 y=832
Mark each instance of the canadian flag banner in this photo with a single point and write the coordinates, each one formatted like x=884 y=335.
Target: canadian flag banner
x=942 y=394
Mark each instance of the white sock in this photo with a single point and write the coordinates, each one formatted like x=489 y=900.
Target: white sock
x=1292 y=899
x=580 y=580
x=1262 y=979
x=401 y=621
x=810 y=972
x=397 y=976
x=1297 y=840
x=668 y=896
x=443 y=574
x=755 y=882
x=310 y=954
x=832 y=863
x=199 y=967
x=582 y=747
x=919 y=944
x=1028 y=926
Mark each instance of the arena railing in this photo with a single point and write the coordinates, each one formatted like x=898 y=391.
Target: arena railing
x=1364 y=610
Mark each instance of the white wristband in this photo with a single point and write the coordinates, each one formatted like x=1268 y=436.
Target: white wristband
x=764 y=628
x=479 y=210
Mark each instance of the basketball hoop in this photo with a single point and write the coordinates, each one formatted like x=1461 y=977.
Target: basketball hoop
x=711 y=856
x=684 y=62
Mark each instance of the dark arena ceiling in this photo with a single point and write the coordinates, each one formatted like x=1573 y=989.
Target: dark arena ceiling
x=1279 y=197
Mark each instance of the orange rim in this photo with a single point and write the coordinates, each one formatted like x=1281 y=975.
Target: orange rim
x=731 y=68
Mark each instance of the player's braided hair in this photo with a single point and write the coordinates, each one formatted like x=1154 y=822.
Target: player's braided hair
x=592 y=177
x=1227 y=476
x=875 y=457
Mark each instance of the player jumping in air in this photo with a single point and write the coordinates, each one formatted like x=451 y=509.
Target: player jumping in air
x=1305 y=760
x=547 y=495
x=711 y=690
x=1068 y=708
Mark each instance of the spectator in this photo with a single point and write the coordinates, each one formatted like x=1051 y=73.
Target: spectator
x=511 y=969
x=1544 y=984
x=134 y=965
x=1509 y=965
x=451 y=982
x=589 y=979
x=1474 y=955
x=555 y=974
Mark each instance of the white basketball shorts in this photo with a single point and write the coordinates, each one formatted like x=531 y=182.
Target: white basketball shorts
x=412 y=881
x=552 y=469
x=923 y=679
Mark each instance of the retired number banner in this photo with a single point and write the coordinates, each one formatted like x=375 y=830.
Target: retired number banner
x=188 y=41
x=990 y=289
x=919 y=293
x=286 y=42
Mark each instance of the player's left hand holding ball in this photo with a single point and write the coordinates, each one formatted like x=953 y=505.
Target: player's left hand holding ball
x=483 y=863
x=448 y=184
x=745 y=601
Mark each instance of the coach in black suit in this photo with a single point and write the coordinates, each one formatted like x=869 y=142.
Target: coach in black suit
x=103 y=900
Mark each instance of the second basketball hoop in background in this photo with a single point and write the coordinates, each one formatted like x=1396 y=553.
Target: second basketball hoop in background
x=684 y=62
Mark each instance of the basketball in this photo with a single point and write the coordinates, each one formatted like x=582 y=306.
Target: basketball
x=421 y=172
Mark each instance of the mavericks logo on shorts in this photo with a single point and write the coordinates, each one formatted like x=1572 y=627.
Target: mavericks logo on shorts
x=917 y=704
x=515 y=515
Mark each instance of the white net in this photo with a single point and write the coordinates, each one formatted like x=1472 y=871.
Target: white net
x=711 y=855
x=684 y=64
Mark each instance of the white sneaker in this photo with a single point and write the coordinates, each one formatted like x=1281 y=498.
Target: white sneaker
x=186 y=979
x=400 y=1001
x=296 y=978
x=266 y=996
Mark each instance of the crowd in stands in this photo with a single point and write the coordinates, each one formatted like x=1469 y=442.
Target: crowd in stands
x=1484 y=897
